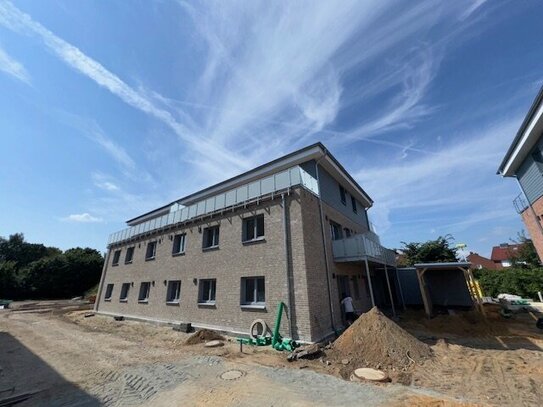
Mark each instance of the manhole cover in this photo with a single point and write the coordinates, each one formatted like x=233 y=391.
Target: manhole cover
x=232 y=374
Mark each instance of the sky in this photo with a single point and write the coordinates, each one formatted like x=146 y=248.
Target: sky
x=112 y=108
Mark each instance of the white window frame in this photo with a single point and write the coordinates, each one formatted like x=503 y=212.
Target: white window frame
x=108 y=291
x=131 y=250
x=145 y=298
x=147 y=257
x=215 y=239
x=213 y=282
x=256 y=237
x=183 y=242
x=116 y=258
x=253 y=302
x=177 y=297
x=125 y=298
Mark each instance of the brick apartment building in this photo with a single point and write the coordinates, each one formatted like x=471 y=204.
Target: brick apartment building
x=524 y=161
x=294 y=230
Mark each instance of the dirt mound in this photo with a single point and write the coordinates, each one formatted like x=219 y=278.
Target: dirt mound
x=375 y=341
x=203 y=335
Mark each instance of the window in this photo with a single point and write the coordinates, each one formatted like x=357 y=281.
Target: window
x=144 y=292
x=253 y=228
x=116 y=257
x=253 y=291
x=151 y=251
x=207 y=291
x=129 y=255
x=124 y=292
x=174 y=292
x=211 y=237
x=353 y=203
x=179 y=244
x=347 y=232
x=109 y=291
x=335 y=230
x=342 y=195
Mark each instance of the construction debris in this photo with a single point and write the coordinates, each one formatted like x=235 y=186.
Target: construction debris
x=202 y=336
x=305 y=352
x=183 y=327
x=373 y=340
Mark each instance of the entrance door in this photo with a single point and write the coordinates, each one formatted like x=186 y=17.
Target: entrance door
x=343 y=288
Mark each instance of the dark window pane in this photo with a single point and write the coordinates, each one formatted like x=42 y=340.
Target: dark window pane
x=261 y=297
x=260 y=226
x=250 y=229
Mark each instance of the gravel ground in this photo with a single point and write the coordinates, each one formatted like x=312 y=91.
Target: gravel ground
x=66 y=362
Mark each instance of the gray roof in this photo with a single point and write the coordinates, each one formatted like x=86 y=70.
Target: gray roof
x=449 y=265
x=313 y=151
x=536 y=103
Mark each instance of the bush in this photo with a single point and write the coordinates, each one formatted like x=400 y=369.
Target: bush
x=525 y=282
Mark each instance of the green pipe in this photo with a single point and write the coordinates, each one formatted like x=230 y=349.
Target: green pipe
x=276 y=337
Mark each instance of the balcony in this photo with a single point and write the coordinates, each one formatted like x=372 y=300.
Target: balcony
x=520 y=204
x=241 y=196
x=361 y=247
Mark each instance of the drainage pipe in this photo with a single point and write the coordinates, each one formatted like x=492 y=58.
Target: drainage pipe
x=323 y=234
x=286 y=224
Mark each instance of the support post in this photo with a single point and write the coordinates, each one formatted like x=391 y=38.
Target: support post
x=390 y=291
x=400 y=287
x=369 y=282
x=424 y=292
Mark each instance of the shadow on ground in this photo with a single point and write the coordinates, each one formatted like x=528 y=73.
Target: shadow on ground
x=22 y=373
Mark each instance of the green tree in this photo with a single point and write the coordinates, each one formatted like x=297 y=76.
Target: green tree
x=438 y=250
x=526 y=254
x=525 y=282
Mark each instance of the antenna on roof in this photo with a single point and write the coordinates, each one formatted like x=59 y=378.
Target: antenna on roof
x=461 y=248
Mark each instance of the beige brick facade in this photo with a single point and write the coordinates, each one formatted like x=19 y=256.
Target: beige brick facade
x=233 y=260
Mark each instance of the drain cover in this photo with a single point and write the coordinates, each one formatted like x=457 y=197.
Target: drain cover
x=232 y=374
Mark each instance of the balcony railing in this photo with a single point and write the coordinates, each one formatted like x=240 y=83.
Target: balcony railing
x=360 y=247
x=520 y=204
x=242 y=195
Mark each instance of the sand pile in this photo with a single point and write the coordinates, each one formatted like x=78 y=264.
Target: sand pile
x=203 y=335
x=376 y=341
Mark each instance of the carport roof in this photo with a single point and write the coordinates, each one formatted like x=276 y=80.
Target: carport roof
x=449 y=265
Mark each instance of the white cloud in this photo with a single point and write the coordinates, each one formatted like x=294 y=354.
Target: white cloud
x=13 y=67
x=82 y=218
x=15 y=19
x=458 y=178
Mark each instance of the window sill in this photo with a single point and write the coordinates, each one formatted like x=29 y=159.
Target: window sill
x=172 y=302
x=150 y=258
x=254 y=241
x=143 y=301
x=207 y=304
x=107 y=299
x=210 y=248
x=178 y=254
x=114 y=264
x=253 y=306
x=128 y=262
x=123 y=300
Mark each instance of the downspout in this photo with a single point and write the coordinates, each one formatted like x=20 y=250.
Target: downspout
x=287 y=264
x=323 y=234
x=102 y=279
x=531 y=207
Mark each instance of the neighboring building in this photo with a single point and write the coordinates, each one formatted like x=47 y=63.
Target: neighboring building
x=524 y=161
x=480 y=262
x=502 y=257
x=294 y=230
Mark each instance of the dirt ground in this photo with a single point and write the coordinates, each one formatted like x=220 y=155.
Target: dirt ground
x=52 y=350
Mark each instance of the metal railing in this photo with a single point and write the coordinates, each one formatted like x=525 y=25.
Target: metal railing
x=520 y=204
x=361 y=246
x=244 y=194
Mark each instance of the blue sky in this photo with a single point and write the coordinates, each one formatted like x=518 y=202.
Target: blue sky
x=112 y=108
